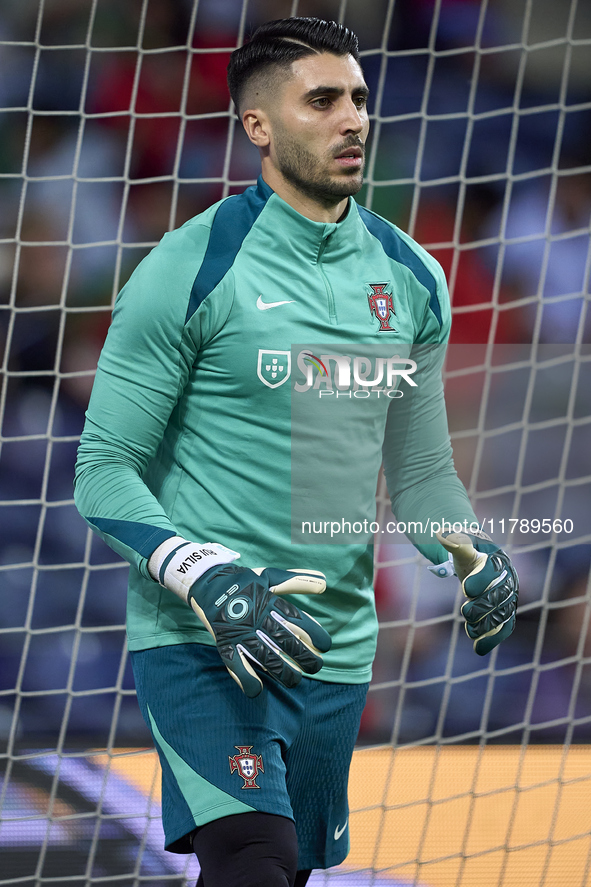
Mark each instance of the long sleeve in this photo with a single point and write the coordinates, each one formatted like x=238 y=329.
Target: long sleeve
x=133 y=413
x=418 y=462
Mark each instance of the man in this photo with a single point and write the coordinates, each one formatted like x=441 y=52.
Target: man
x=185 y=469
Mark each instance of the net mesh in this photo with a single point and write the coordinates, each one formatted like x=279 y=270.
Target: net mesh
x=115 y=126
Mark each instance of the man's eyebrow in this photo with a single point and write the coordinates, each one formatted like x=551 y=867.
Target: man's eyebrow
x=335 y=90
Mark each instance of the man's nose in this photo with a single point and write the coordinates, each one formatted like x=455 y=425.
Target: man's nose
x=353 y=118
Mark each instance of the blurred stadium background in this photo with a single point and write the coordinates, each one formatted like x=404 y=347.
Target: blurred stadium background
x=115 y=125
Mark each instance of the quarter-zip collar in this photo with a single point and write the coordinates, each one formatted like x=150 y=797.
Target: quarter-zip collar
x=312 y=240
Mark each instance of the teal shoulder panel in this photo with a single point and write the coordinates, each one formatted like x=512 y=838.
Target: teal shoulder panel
x=142 y=538
x=396 y=248
x=233 y=220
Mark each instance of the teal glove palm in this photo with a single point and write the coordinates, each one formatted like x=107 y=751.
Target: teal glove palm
x=491 y=585
x=253 y=626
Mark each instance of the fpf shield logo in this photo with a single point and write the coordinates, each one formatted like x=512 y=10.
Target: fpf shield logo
x=274 y=367
x=382 y=305
x=248 y=765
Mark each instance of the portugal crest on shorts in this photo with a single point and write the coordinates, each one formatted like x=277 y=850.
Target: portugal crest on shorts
x=382 y=305
x=247 y=764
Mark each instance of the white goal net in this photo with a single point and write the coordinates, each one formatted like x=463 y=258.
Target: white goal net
x=116 y=126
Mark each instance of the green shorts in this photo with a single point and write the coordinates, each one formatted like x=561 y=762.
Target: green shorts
x=286 y=752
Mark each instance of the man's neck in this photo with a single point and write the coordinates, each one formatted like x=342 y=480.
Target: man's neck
x=307 y=206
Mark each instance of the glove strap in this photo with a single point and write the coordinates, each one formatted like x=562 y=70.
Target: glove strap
x=444 y=570
x=177 y=563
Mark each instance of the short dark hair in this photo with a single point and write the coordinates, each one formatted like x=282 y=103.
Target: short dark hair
x=281 y=42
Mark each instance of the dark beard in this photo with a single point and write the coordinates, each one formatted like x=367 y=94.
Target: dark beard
x=304 y=171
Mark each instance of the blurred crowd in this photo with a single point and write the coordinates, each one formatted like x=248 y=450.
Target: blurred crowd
x=483 y=156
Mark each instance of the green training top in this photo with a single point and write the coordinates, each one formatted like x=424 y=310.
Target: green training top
x=240 y=368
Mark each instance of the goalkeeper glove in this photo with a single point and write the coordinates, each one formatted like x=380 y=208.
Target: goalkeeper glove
x=490 y=583
x=243 y=612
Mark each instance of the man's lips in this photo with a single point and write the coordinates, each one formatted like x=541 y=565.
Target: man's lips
x=350 y=157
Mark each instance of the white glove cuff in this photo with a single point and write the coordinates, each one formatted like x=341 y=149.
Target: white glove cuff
x=177 y=564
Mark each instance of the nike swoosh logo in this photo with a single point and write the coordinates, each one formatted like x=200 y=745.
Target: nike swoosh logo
x=339 y=831
x=262 y=306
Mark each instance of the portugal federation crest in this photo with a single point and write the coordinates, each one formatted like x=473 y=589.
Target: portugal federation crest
x=274 y=367
x=247 y=764
x=381 y=304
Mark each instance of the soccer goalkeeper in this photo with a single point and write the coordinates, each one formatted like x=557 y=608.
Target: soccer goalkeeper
x=252 y=654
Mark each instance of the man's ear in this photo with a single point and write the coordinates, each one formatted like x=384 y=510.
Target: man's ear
x=257 y=126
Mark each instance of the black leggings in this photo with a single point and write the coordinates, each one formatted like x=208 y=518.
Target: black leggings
x=249 y=850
